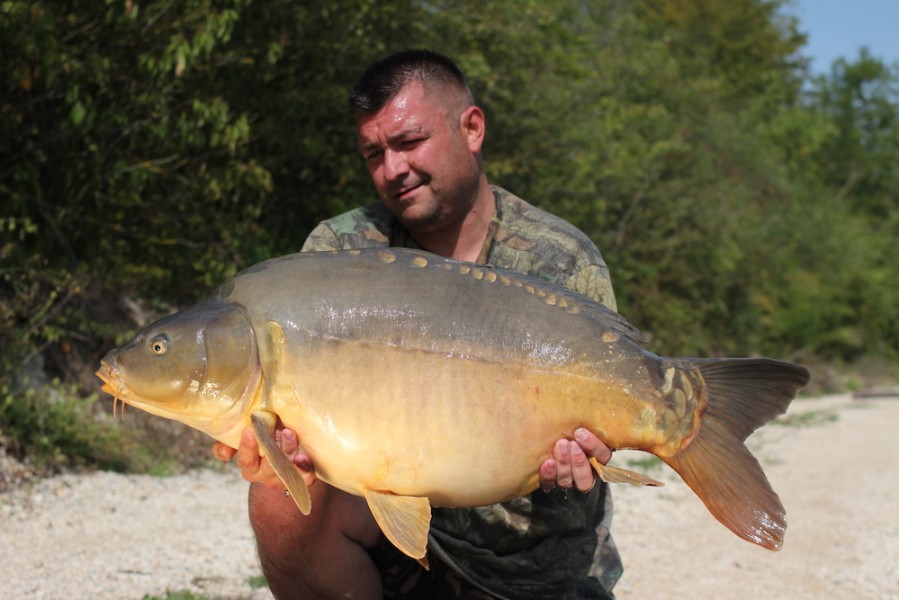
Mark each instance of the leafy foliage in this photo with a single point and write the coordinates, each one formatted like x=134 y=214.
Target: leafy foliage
x=150 y=149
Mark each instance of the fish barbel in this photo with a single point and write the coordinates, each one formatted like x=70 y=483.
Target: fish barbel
x=399 y=369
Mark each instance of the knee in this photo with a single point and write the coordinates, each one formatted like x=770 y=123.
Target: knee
x=277 y=521
x=309 y=556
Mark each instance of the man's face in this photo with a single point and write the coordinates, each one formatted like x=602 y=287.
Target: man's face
x=421 y=154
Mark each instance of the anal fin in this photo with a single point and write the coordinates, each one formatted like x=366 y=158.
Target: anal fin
x=263 y=423
x=611 y=474
x=405 y=520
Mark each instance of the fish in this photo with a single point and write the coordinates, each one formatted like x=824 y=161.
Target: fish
x=399 y=369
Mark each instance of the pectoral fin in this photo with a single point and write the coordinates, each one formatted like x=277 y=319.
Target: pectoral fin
x=263 y=423
x=618 y=475
x=405 y=520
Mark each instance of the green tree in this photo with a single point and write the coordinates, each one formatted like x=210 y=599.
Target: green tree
x=861 y=98
x=150 y=149
x=859 y=166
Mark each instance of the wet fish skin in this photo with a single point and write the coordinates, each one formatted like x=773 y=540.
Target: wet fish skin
x=400 y=369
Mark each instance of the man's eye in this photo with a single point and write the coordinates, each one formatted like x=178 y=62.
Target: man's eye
x=372 y=154
x=408 y=144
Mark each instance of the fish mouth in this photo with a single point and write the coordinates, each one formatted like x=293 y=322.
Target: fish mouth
x=112 y=384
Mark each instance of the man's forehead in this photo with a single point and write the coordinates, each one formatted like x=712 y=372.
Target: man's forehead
x=403 y=115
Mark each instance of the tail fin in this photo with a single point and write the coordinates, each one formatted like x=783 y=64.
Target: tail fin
x=743 y=394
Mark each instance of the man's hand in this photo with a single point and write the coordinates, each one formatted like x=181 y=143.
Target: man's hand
x=570 y=464
x=255 y=469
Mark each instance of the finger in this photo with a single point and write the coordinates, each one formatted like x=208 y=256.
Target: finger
x=562 y=456
x=592 y=445
x=547 y=474
x=222 y=452
x=581 y=471
x=248 y=452
x=289 y=443
x=304 y=463
x=253 y=467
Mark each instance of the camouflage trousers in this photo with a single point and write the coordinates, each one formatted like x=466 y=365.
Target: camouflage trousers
x=404 y=579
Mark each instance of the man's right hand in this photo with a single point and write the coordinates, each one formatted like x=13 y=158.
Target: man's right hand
x=256 y=469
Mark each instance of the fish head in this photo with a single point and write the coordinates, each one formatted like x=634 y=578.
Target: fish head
x=199 y=366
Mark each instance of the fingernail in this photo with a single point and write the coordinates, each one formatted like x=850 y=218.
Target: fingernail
x=575 y=449
x=580 y=434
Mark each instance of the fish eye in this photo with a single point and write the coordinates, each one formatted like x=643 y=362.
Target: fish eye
x=159 y=345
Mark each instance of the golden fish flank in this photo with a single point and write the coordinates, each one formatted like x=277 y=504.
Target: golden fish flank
x=376 y=359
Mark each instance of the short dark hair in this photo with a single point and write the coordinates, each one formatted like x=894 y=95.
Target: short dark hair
x=384 y=79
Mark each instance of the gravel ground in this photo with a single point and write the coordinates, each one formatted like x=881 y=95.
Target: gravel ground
x=838 y=480
x=111 y=536
x=833 y=463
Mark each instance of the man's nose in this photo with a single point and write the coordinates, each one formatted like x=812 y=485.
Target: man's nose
x=396 y=164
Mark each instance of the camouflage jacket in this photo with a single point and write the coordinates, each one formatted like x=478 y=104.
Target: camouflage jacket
x=545 y=545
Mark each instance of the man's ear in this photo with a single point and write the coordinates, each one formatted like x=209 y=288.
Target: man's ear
x=473 y=127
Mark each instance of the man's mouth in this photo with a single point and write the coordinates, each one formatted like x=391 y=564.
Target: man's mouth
x=406 y=193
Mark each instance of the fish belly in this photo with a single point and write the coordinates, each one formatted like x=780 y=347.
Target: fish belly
x=459 y=431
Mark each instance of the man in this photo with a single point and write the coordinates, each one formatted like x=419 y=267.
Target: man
x=421 y=137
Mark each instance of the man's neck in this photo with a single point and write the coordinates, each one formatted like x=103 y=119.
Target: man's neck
x=465 y=240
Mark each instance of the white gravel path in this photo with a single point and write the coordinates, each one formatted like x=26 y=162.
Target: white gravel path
x=114 y=536
x=838 y=480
